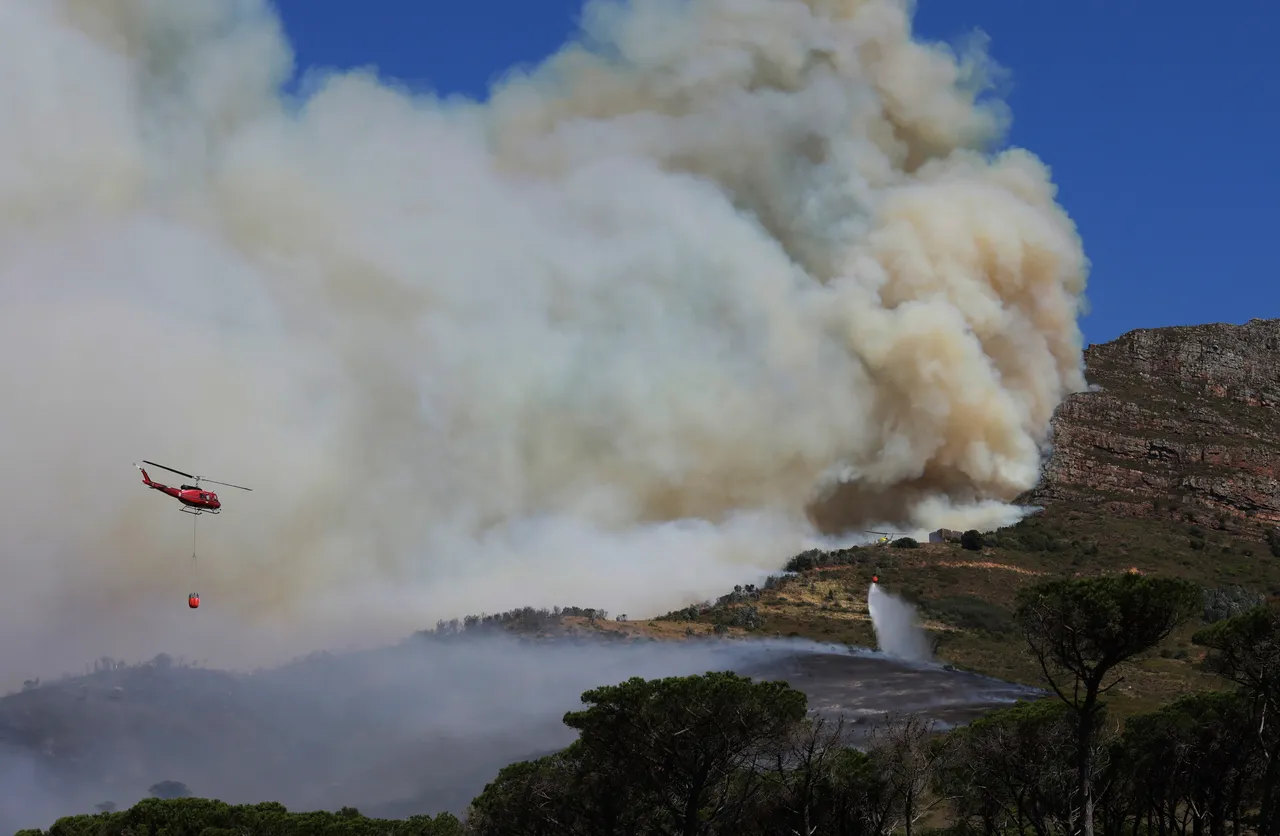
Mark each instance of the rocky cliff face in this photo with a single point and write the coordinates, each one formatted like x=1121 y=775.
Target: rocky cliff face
x=1181 y=422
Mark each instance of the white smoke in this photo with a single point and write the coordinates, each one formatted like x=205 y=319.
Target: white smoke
x=601 y=340
x=898 y=632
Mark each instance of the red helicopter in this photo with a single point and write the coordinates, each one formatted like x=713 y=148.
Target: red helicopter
x=194 y=499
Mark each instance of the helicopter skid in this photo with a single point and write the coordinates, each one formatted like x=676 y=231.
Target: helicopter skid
x=195 y=512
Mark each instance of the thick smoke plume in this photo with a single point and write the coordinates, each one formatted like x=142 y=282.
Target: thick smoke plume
x=717 y=277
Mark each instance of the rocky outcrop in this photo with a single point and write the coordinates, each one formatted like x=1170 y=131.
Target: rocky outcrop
x=1181 y=422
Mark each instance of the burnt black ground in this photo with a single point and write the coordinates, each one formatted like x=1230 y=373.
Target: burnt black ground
x=864 y=687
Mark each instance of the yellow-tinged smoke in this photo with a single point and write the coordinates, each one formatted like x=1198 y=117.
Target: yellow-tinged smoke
x=620 y=336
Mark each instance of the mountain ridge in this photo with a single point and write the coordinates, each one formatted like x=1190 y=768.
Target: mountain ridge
x=1177 y=421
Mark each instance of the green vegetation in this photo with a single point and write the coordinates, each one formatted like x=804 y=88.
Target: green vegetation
x=524 y=620
x=968 y=612
x=209 y=817
x=735 y=609
x=722 y=754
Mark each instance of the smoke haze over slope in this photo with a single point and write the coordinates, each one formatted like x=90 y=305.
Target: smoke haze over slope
x=598 y=341
x=416 y=728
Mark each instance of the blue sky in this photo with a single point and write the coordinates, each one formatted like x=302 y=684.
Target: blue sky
x=1162 y=126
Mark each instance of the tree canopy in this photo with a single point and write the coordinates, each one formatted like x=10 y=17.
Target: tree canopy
x=1081 y=629
x=210 y=817
x=1085 y=627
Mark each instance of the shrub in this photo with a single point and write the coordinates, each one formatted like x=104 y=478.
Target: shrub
x=1226 y=602
x=971 y=613
x=747 y=617
x=1039 y=541
x=813 y=558
x=739 y=595
x=804 y=561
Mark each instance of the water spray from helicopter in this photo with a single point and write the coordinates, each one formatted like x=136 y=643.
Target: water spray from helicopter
x=898 y=632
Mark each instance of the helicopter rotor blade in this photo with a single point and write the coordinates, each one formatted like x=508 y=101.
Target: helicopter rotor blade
x=170 y=469
x=226 y=484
